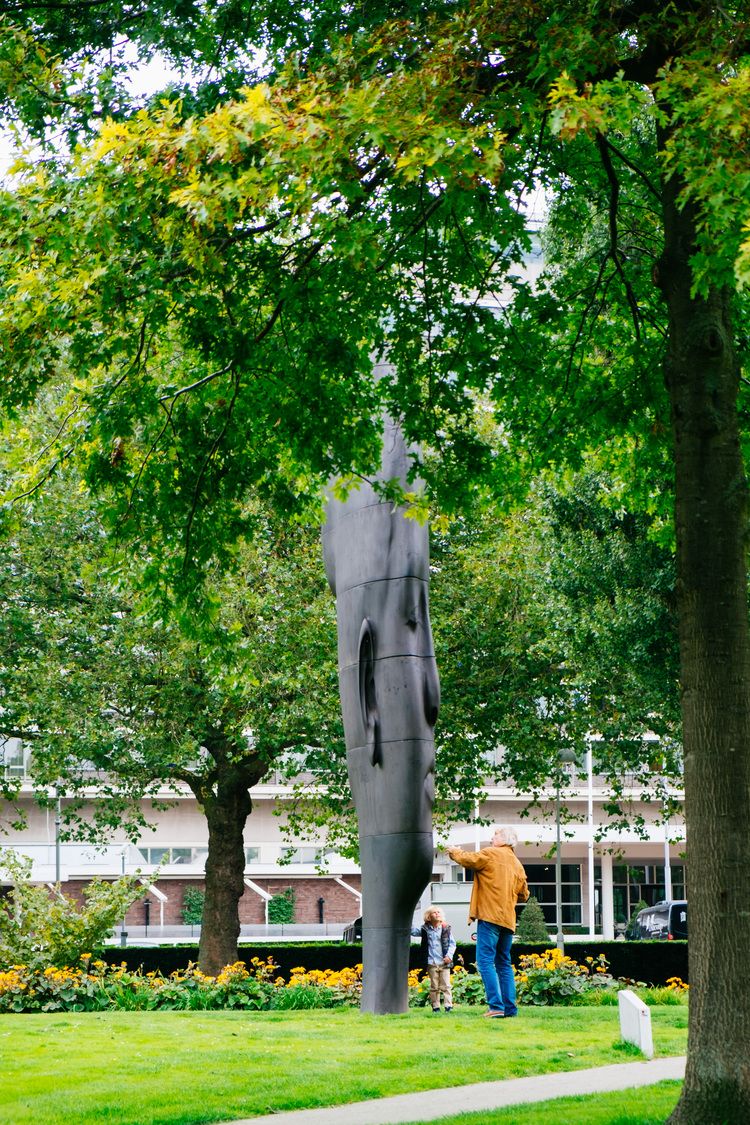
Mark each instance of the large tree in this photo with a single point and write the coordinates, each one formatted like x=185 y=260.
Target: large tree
x=358 y=202
x=118 y=703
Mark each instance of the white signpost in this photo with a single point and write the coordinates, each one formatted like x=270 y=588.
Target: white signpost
x=635 y=1022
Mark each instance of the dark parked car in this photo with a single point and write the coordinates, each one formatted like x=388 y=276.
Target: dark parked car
x=665 y=921
x=353 y=932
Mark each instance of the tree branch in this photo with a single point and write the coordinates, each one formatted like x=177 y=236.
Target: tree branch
x=614 y=252
x=198 y=383
x=634 y=167
x=43 y=478
x=204 y=468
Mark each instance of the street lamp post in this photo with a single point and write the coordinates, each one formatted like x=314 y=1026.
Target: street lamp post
x=590 y=840
x=564 y=755
x=667 y=860
x=58 y=821
x=123 y=931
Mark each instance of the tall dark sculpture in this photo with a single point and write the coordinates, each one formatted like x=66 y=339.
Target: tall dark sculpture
x=377 y=563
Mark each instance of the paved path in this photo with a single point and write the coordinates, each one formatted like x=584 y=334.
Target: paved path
x=429 y=1105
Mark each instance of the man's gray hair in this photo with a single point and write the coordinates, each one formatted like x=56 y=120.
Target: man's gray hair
x=504 y=835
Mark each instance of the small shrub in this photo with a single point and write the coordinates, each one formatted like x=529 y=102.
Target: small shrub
x=281 y=907
x=192 y=906
x=43 y=927
x=531 y=925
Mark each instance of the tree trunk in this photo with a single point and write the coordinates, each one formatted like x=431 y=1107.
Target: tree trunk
x=226 y=808
x=702 y=376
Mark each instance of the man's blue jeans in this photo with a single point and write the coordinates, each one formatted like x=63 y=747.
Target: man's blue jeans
x=495 y=969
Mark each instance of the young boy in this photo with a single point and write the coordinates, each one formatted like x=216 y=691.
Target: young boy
x=438 y=947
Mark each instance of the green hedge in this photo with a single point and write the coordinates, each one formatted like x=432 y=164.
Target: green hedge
x=652 y=962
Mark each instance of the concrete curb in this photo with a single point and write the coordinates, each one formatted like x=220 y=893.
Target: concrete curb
x=428 y=1105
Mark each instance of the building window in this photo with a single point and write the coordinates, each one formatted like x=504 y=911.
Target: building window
x=184 y=856
x=304 y=855
x=542 y=884
x=307 y=855
x=252 y=855
x=15 y=758
x=644 y=883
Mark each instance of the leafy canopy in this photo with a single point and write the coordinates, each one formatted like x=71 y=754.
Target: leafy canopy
x=211 y=283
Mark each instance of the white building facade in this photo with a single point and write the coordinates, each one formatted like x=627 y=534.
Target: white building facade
x=604 y=873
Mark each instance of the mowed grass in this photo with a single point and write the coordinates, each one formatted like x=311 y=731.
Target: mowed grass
x=646 y=1105
x=183 y=1068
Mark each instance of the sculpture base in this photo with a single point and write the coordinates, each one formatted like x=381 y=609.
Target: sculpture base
x=395 y=870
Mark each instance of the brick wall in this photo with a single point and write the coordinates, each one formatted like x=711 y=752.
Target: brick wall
x=340 y=905
x=74 y=889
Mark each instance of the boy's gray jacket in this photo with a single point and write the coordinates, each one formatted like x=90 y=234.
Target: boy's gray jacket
x=447 y=944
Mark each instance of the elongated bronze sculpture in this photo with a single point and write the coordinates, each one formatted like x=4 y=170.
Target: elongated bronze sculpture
x=377 y=563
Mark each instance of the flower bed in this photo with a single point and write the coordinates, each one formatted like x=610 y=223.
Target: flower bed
x=94 y=985
x=551 y=977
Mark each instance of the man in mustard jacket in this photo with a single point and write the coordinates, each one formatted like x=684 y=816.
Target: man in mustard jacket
x=499 y=883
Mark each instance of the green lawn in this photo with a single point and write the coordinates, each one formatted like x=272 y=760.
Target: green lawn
x=647 y=1105
x=182 y=1068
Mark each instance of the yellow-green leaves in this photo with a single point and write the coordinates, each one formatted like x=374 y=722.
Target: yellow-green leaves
x=742 y=267
x=300 y=142
x=594 y=107
x=709 y=151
